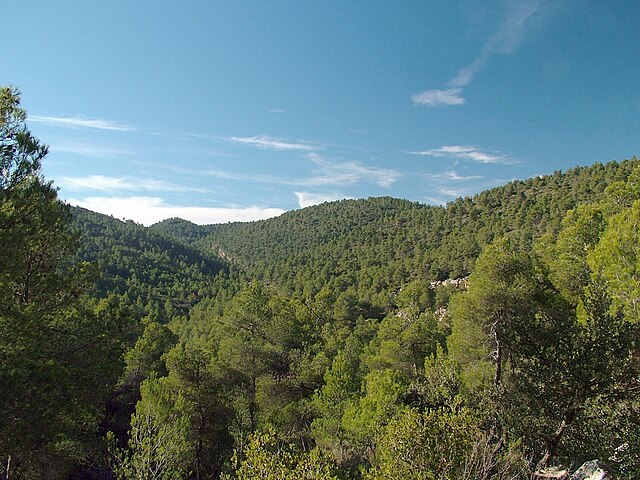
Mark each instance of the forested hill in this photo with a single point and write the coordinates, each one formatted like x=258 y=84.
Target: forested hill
x=315 y=345
x=154 y=271
x=376 y=243
x=337 y=356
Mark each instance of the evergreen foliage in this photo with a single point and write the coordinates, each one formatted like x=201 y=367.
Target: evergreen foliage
x=60 y=352
x=361 y=339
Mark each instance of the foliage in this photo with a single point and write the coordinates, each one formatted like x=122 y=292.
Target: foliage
x=59 y=350
x=379 y=244
x=160 y=447
x=202 y=384
x=163 y=277
x=20 y=152
x=266 y=459
x=350 y=332
x=616 y=260
x=424 y=446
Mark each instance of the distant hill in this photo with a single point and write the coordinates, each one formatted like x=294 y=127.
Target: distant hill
x=145 y=265
x=378 y=243
x=346 y=321
x=371 y=246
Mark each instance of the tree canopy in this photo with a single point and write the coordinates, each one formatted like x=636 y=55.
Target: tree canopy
x=364 y=339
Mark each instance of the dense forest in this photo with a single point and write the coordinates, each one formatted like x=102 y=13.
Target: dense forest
x=495 y=337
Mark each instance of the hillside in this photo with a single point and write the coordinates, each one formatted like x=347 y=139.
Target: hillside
x=379 y=244
x=152 y=271
x=322 y=329
x=321 y=344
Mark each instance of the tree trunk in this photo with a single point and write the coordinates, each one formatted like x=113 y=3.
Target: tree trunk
x=498 y=359
x=554 y=441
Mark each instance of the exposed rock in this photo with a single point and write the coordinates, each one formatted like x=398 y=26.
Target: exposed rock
x=592 y=470
x=460 y=283
x=555 y=473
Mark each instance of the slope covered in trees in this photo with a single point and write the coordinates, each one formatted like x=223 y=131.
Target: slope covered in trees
x=155 y=272
x=377 y=244
x=319 y=344
x=532 y=366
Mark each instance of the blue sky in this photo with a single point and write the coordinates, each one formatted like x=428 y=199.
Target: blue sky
x=219 y=111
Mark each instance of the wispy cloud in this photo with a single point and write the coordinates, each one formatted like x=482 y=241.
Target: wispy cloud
x=347 y=173
x=223 y=174
x=150 y=210
x=458 y=190
x=226 y=175
x=506 y=40
x=466 y=152
x=308 y=199
x=453 y=176
x=434 y=98
x=433 y=200
x=451 y=184
x=81 y=122
x=271 y=143
x=447 y=185
x=89 y=150
x=324 y=174
x=114 y=184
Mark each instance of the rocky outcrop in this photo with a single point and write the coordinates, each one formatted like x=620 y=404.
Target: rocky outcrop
x=460 y=283
x=555 y=473
x=593 y=470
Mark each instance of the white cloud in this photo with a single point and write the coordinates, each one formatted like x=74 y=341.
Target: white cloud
x=110 y=184
x=506 y=40
x=267 y=142
x=308 y=199
x=150 y=210
x=467 y=190
x=225 y=175
x=347 y=173
x=454 y=176
x=433 y=98
x=325 y=173
x=452 y=192
x=453 y=185
x=81 y=122
x=465 y=152
x=89 y=150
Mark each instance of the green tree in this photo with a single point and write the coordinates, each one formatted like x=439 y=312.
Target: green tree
x=246 y=343
x=567 y=256
x=192 y=370
x=159 y=441
x=424 y=446
x=616 y=260
x=59 y=352
x=145 y=357
x=20 y=152
x=265 y=458
x=504 y=293
x=342 y=384
x=381 y=399
x=404 y=340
